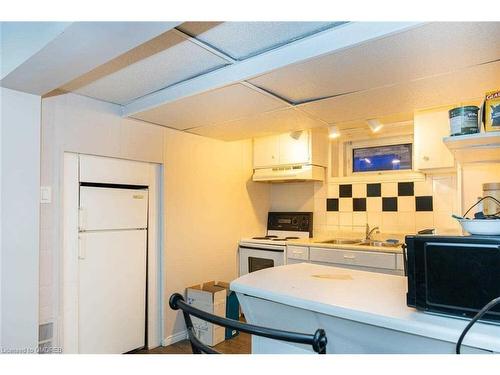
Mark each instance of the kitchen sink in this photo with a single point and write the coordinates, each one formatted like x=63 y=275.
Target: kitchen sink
x=342 y=241
x=378 y=243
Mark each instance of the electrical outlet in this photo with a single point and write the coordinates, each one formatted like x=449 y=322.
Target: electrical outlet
x=45 y=194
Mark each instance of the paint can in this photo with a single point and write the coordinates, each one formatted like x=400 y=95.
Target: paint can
x=464 y=120
x=491 y=111
x=492 y=189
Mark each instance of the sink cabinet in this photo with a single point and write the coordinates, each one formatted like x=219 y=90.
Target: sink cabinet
x=374 y=261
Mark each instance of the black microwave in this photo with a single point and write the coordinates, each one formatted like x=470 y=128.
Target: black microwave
x=453 y=275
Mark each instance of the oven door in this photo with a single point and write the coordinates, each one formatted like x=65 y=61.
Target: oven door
x=255 y=259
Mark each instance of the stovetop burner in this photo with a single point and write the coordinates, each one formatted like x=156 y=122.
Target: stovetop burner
x=270 y=237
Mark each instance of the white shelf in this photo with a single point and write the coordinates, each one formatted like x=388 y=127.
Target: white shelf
x=479 y=147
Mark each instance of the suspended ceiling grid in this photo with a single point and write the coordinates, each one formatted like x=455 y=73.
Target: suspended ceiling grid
x=430 y=65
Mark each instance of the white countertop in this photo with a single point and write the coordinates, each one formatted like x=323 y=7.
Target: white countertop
x=368 y=297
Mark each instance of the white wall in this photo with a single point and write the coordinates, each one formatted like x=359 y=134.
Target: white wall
x=20 y=180
x=292 y=196
x=21 y=40
x=474 y=175
x=209 y=201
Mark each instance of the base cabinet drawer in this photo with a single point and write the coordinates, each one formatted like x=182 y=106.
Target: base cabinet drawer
x=297 y=252
x=353 y=258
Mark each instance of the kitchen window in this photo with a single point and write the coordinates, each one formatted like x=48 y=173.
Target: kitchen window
x=378 y=156
x=382 y=158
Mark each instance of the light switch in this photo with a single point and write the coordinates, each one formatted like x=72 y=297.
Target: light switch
x=45 y=194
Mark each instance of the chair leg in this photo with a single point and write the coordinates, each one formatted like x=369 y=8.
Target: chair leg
x=189 y=327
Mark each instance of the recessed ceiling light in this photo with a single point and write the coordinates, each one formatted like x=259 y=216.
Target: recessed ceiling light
x=374 y=125
x=333 y=131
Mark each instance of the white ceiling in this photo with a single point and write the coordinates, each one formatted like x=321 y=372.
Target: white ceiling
x=213 y=107
x=241 y=40
x=421 y=52
x=449 y=89
x=268 y=123
x=179 y=60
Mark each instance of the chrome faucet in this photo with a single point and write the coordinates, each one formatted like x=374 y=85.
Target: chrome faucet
x=370 y=231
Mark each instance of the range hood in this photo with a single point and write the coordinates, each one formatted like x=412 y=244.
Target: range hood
x=290 y=173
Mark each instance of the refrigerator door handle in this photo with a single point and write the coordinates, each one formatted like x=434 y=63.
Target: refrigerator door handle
x=82 y=219
x=81 y=247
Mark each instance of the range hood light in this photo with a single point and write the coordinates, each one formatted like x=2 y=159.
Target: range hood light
x=374 y=125
x=333 y=132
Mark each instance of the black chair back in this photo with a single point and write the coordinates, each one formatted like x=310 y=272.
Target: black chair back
x=317 y=340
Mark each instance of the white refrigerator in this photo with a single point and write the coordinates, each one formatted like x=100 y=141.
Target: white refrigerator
x=112 y=269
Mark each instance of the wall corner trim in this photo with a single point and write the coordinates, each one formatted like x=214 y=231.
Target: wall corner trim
x=176 y=337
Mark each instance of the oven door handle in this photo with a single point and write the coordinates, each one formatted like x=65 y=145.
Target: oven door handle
x=261 y=249
x=405 y=259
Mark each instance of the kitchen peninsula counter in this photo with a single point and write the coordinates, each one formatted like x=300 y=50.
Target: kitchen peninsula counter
x=362 y=312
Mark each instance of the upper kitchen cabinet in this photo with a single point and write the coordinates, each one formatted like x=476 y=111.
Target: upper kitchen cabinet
x=266 y=151
x=298 y=147
x=294 y=148
x=430 y=152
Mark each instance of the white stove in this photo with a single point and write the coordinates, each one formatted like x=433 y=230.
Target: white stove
x=269 y=251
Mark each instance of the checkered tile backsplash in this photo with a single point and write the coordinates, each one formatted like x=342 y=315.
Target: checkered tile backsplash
x=398 y=207
x=379 y=197
x=395 y=207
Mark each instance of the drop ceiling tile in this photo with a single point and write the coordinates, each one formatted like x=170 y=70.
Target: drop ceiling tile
x=241 y=40
x=217 y=106
x=454 y=88
x=275 y=122
x=179 y=60
x=423 y=51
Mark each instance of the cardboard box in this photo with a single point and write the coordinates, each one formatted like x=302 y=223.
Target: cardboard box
x=209 y=297
x=491 y=115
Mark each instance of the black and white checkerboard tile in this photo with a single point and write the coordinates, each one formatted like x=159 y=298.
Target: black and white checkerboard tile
x=378 y=197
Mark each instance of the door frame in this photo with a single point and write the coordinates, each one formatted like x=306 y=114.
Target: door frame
x=69 y=323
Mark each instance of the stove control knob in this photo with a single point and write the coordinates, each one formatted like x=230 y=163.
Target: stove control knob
x=305 y=223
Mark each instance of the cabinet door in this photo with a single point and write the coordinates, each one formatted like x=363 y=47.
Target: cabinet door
x=429 y=129
x=297 y=252
x=294 y=148
x=265 y=151
x=353 y=258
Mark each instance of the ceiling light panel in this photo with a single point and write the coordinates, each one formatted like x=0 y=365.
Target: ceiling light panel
x=420 y=52
x=213 y=107
x=269 y=123
x=180 y=60
x=333 y=131
x=242 y=40
x=449 y=89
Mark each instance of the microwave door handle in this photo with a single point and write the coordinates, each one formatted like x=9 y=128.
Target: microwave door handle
x=405 y=260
